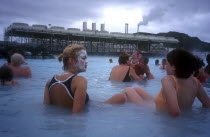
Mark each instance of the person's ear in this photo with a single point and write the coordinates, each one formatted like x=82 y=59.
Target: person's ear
x=71 y=61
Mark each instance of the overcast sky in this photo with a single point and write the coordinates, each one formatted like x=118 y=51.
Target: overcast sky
x=187 y=16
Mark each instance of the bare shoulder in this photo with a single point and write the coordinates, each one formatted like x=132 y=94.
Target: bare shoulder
x=26 y=68
x=48 y=83
x=197 y=83
x=168 y=79
x=115 y=67
x=79 y=79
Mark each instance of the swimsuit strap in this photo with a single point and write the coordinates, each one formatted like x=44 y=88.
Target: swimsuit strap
x=127 y=76
x=66 y=84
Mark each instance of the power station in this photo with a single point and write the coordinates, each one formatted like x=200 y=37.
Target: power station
x=53 y=39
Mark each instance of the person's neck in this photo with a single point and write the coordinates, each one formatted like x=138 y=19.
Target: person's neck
x=69 y=71
x=124 y=64
x=184 y=79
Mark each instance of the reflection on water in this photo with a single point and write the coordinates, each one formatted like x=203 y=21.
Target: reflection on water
x=23 y=114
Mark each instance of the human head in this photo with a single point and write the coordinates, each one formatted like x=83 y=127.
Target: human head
x=71 y=51
x=110 y=60
x=5 y=74
x=139 y=51
x=184 y=63
x=164 y=61
x=208 y=58
x=156 y=62
x=17 y=59
x=144 y=60
x=123 y=58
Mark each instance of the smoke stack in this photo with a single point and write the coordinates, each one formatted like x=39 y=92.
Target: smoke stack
x=138 y=28
x=84 y=25
x=126 y=28
x=102 y=27
x=94 y=26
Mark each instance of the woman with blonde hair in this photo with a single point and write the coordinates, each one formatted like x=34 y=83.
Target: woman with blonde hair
x=68 y=89
x=19 y=71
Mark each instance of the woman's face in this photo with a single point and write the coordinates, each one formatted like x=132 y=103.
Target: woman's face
x=82 y=61
x=169 y=69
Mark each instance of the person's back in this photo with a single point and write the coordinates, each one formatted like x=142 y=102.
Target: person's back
x=119 y=72
x=186 y=92
x=18 y=71
x=62 y=94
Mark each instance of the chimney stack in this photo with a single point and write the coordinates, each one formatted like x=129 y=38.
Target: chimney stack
x=126 y=28
x=84 y=25
x=94 y=26
x=102 y=27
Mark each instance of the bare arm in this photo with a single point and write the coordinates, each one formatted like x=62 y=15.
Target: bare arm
x=170 y=95
x=79 y=94
x=148 y=73
x=202 y=95
x=46 y=94
x=27 y=72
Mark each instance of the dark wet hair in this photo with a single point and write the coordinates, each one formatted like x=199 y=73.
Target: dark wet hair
x=146 y=60
x=185 y=63
x=123 y=58
x=5 y=74
x=156 y=62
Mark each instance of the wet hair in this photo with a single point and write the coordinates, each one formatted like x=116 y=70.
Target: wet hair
x=123 y=58
x=156 y=62
x=110 y=60
x=5 y=74
x=146 y=60
x=185 y=63
x=17 y=59
x=69 y=52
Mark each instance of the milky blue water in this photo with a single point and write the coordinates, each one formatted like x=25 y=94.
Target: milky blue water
x=22 y=113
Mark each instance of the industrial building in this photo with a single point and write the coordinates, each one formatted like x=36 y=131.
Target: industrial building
x=53 y=39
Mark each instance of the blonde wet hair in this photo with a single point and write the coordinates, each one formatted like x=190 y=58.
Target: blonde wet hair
x=17 y=59
x=69 y=52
